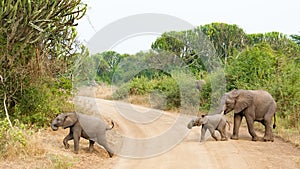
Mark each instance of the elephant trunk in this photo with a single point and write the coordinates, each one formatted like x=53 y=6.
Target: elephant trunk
x=190 y=125
x=53 y=125
x=221 y=108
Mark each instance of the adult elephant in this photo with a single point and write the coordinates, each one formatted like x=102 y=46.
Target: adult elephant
x=255 y=105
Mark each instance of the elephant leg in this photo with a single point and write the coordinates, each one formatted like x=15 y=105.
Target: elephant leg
x=102 y=141
x=91 y=146
x=236 y=125
x=76 y=138
x=66 y=139
x=203 y=131
x=250 y=124
x=212 y=132
x=222 y=131
x=268 y=130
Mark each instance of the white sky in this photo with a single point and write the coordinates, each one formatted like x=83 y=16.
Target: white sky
x=253 y=16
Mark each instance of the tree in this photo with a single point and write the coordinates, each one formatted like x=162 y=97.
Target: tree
x=37 y=43
x=296 y=38
x=191 y=46
x=227 y=39
x=106 y=64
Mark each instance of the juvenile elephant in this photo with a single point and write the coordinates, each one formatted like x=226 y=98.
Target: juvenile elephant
x=88 y=127
x=211 y=122
x=255 y=105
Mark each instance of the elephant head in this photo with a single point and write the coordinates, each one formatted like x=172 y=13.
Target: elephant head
x=64 y=120
x=197 y=121
x=236 y=100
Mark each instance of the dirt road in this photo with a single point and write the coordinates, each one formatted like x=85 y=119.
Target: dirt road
x=147 y=138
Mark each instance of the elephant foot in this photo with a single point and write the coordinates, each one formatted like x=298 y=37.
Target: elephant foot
x=110 y=154
x=76 y=152
x=224 y=139
x=266 y=138
x=234 y=137
x=67 y=146
x=254 y=138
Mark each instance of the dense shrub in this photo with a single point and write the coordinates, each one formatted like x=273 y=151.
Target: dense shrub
x=177 y=90
x=261 y=67
x=41 y=102
x=253 y=68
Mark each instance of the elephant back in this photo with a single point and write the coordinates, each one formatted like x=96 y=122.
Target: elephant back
x=92 y=126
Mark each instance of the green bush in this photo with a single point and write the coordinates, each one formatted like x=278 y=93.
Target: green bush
x=41 y=102
x=12 y=140
x=178 y=90
x=254 y=68
x=168 y=87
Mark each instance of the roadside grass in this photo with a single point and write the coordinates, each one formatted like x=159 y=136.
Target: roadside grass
x=23 y=147
x=44 y=150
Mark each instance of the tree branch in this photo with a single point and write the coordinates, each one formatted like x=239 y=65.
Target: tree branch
x=4 y=103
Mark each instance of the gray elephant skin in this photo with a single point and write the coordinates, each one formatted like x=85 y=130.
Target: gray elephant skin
x=255 y=105
x=210 y=122
x=81 y=125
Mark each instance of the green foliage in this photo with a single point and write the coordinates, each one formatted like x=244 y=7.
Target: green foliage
x=227 y=39
x=170 y=89
x=277 y=41
x=169 y=42
x=253 y=68
x=296 y=38
x=178 y=90
x=106 y=65
x=12 y=140
x=191 y=47
x=44 y=101
x=287 y=92
x=37 y=46
x=84 y=69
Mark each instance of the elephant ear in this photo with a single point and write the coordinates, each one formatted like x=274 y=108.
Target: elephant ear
x=69 y=120
x=243 y=100
x=203 y=120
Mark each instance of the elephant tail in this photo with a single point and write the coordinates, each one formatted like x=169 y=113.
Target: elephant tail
x=109 y=128
x=274 y=124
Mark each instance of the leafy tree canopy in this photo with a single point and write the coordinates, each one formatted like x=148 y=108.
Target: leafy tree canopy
x=37 y=45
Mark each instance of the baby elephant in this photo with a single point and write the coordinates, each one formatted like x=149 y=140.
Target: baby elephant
x=88 y=127
x=211 y=122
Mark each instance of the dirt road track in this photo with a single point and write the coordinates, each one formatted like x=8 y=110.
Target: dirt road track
x=189 y=152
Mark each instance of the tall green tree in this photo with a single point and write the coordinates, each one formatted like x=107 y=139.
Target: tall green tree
x=227 y=39
x=296 y=38
x=106 y=64
x=191 y=46
x=37 y=43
